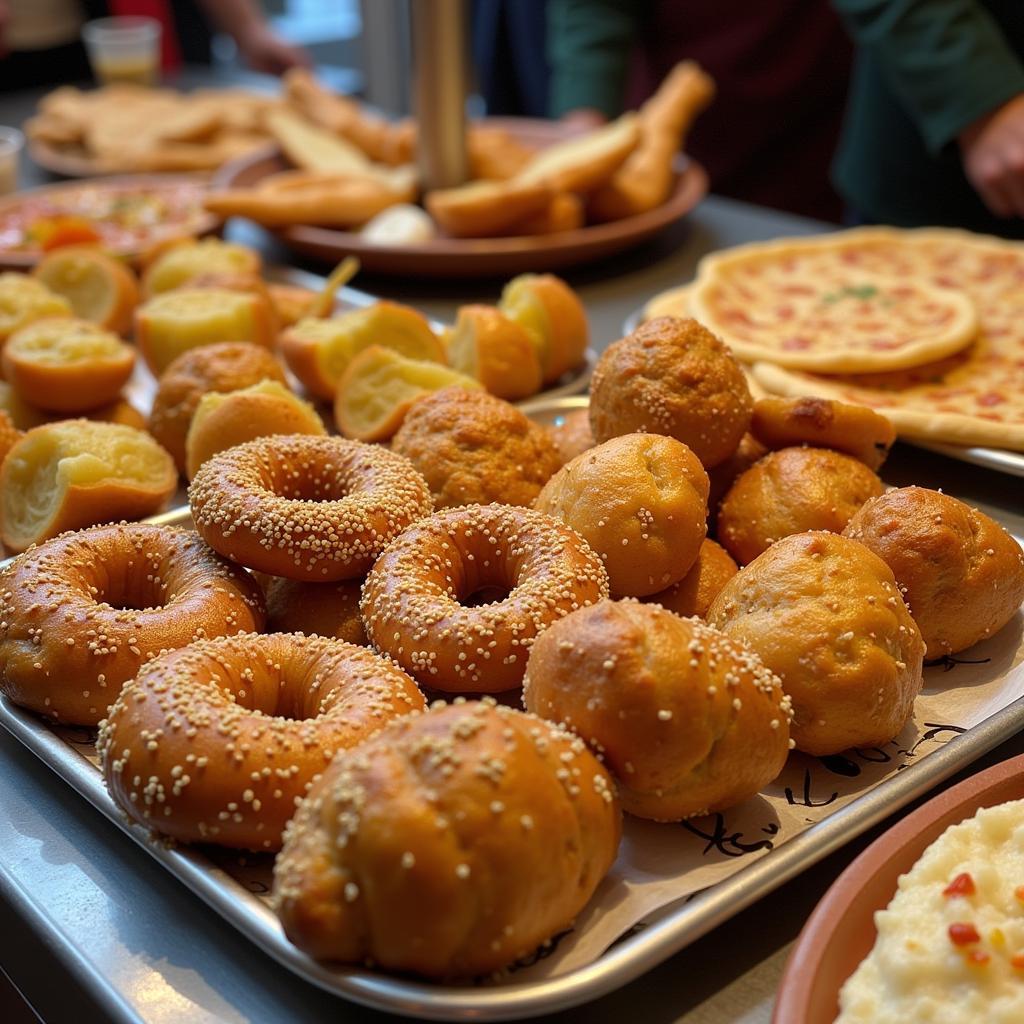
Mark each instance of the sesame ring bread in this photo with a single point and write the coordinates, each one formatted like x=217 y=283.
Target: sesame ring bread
x=451 y=844
x=473 y=448
x=324 y=609
x=417 y=600
x=826 y=616
x=81 y=613
x=218 y=742
x=695 y=592
x=961 y=573
x=688 y=721
x=305 y=507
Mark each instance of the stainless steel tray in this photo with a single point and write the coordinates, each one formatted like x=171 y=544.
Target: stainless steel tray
x=637 y=952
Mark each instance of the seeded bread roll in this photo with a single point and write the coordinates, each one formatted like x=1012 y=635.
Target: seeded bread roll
x=695 y=592
x=572 y=435
x=688 y=720
x=961 y=573
x=450 y=844
x=825 y=614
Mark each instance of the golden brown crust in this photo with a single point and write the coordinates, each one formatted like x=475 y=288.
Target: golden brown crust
x=451 y=844
x=227 y=366
x=825 y=614
x=217 y=742
x=695 y=592
x=725 y=473
x=853 y=429
x=486 y=345
x=533 y=570
x=483 y=209
x=640 y=501
x=473 y=449
x=688 y=721
x=83 y=612
x=307 y=508
x=961 y=573
x=572 y=435
x=9 y=435
x=674 y=377
x=792 y=491
x=323 y=609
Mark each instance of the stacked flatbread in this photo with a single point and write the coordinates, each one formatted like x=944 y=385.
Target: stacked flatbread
x=925 y=326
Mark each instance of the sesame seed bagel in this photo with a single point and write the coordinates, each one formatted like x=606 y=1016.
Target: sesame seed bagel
x=218 y=742
x=84 y=611
x=529 y=568
x=305 y=507
x=450 y=844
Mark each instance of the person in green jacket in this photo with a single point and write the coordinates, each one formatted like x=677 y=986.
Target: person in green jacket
x=934 y=129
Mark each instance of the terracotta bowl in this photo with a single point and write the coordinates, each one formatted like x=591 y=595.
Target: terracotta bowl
x=841 y=931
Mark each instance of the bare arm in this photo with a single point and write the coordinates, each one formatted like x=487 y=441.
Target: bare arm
x=260 y=46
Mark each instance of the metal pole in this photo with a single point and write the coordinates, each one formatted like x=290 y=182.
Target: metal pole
x=439 y=81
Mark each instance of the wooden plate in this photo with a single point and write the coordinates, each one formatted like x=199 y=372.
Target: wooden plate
x=24 y=259
x=841 y=931
x=478 y=257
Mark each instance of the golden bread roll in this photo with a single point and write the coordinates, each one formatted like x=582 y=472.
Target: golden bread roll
x=674 y=377
x=640 y=501
x=792 y=491
x=826 y=616
x=482 y=209
x=222 y=420
x=572 y=434
x=724 y=475
x=450 y=844
x=697 y=590
x=119 y=411
x=553 y=314
x=961 y=573
x=473 y=448
x=853 y=429
x=688 y=721
x=181 y=260
x=495 y=153
x=488 y=346
x=22 y=414
x=320 y=609
x=226 y=366
x=9 y=435
x=564 y=212
x=291 y=302
x=24 y=299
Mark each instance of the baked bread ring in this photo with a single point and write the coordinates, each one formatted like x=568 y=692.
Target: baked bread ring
x=527 y=567
x=217 y=742
x=305 y=507
x=324 y=609
x=450 y=844
x=83 y=612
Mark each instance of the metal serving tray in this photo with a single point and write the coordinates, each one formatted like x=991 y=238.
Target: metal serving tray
x=639 y=951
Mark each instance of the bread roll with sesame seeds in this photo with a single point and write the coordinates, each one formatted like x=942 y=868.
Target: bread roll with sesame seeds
x=641 y=502
x=449 y=845
x=961 y=573
x=826 y=616
x=458 y=598
x=672 y=376
x=695 y=592
x=305 y=507
x=81 y=613
x=217 y=742
x=688 y=721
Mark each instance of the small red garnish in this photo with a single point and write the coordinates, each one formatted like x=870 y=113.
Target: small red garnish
x=962 y=885
x=1017 y=960
x=976 y=956
x=963 y=934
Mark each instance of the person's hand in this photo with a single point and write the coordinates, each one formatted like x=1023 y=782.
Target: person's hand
x=263 y=49
x=992 y=150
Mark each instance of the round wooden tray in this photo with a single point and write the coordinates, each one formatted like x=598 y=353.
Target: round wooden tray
x=841 y=931
x=478 y=257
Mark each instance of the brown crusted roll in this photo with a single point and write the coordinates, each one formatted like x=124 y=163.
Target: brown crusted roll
x=672 y=376
x=724 y=475
x=695 y=592
x=688 y=720
x=572 y=435
x=217 y=742
x=825 y=614
x=473 y=448
x=640 y=501
x=961 y=573
x=792 y=491
x=81 y=613
x=525 y=568
x=449 y=845
x=324 y=609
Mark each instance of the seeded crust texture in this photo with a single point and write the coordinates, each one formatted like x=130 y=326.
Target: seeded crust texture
x=414 y=598
x=695 y=592
x=218 y=742
x=961 y=573
x=326 y=609
x=688 y=721
x=672 y=376
x=473 y=448
x=792 y=491
x=450 y=845
x=306 y=508
x=80 y=614
x=825 y=614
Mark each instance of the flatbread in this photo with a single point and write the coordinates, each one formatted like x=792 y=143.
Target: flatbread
x=673 y=302
x=973 y=398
